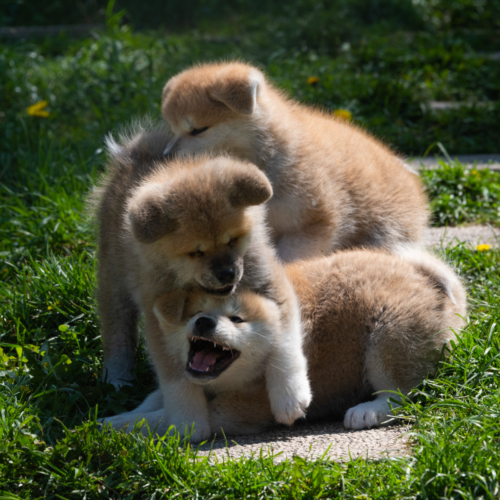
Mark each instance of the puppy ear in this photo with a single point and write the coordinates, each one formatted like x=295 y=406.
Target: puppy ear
x=168 y=88
x=238 y=89
x=150 y=217
x=249 y=187
x=169 y=307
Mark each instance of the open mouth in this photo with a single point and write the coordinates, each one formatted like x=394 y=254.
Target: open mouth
x=219 y=291
x=207 y=359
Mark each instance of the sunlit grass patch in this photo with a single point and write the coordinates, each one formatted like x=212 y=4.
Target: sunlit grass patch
x=50 y=347
x=461 y=194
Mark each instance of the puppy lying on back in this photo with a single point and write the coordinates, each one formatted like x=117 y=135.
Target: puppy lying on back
x=334 y=185
x=192 y=224
x=372 y=323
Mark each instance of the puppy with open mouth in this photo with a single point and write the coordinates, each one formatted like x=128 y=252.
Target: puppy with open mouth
x=192 y=224
x=373 y=324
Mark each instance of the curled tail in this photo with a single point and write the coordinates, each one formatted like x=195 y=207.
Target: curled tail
x=141 y=139
x=439 y=273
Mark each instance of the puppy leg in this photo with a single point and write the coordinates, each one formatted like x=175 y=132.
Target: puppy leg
x=119 y=315
x=376 y=412
x=185 y=405
x=239 y=413
x=152 y=403
x=370 y=414
x=286 y=378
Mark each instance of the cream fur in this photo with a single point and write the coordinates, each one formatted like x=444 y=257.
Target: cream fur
x=166 y=227
x=372 y=322
x=334 y=185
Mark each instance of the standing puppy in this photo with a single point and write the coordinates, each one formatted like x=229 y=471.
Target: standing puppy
x=174 y=226
x=334 y=185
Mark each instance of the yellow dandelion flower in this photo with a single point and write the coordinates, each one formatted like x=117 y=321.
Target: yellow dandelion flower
x=343 y=113
x=474 y=172
x=38 y=109
x=49 y=308
x=483 y=248
x=312 y=80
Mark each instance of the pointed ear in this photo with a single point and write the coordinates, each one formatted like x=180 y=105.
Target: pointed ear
x=238 y=89
x=169 y=307
x=150 y=216
x=249 y=187
x=168 y=88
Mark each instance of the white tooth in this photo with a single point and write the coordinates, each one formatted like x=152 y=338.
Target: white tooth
x=206 y=369
x=215 y=345
x=190 y=365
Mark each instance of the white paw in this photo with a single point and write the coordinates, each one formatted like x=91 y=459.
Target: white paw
x=367 y=415
x=124 y=420
x=291 y=403
x=159 y=423
x=200 y=431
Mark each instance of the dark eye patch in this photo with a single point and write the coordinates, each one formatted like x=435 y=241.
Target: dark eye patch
x=236 y=319
x=197 y=131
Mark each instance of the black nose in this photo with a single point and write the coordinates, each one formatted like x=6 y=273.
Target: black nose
x=203 y=325
x=226 y=275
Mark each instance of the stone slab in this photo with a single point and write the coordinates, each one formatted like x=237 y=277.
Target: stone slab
x=435 y=237
x=491 y=161
x=313 y=441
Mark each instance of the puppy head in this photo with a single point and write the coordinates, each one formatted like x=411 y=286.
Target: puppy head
x=222 y=341
x=196 y=216
x=212 y=108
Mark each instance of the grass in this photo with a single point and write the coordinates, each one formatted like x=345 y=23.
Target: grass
x=50 y=348
x=462 y=194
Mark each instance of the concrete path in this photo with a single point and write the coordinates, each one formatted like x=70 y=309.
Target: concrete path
x=436 y=237
x=491 y=161
x=329 y=439
x=313 y=440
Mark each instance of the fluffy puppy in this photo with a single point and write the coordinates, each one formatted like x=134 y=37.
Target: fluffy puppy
x=373 y=323
x=217 y=351
x=334 y=185
x=182 y=225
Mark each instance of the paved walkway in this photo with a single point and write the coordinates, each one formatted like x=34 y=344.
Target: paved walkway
x=330 y=438
x=473 y=235
x=314 y=441
x=491 y=161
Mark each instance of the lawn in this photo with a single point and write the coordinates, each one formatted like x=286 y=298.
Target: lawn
x=383 y=62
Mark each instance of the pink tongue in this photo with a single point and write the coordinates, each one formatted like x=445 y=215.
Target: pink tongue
x=204 y=359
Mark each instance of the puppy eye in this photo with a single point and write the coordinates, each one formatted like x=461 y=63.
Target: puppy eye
x=198 y=253
x=236 y=319
x=232 y=242
x=197 y=131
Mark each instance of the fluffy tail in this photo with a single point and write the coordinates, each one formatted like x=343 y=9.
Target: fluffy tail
x=438 y=272
x=144 y=137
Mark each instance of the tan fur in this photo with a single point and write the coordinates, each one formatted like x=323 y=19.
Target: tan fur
x=168 y=227
x=372 y=322
x=155 y=221
x=334 y=185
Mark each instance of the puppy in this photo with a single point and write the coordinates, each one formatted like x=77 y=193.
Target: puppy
x=373 y=324
x=215 y=351
x=182 y=225
x=335 y=186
